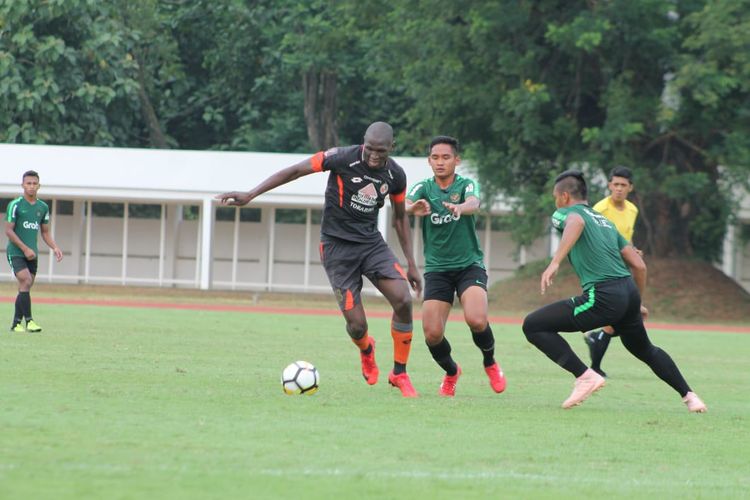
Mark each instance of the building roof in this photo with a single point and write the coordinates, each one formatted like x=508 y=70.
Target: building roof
x=152 y=175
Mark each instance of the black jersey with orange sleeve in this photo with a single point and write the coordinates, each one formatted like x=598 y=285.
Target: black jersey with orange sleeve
x=355 y=193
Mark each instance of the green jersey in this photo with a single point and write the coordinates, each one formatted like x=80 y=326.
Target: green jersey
x=596 y=255
x=450 y=243
x=27 y=218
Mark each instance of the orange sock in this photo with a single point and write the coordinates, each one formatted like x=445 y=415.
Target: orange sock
x=401 y=333
x=362 y=343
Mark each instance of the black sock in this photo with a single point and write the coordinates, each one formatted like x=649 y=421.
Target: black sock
x=398 y=368
x=18 y=315
x=485 y=341
x=25 y=299
x=601 y=343
x=441 y=353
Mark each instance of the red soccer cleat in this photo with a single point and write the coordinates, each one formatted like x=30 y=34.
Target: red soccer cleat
x=369 y=368
x=497 y=378
x=448 y=387
x=403 y=382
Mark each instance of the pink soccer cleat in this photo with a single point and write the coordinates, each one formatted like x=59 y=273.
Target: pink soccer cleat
x=585 y=385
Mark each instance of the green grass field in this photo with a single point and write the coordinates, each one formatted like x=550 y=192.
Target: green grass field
x=115 y=402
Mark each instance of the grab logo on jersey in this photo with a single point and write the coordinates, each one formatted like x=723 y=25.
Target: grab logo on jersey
x=30 y=225
x=439 y=220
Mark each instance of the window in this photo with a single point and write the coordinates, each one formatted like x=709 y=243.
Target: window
x=143 y=211
x=108 y=209
x=291 y=215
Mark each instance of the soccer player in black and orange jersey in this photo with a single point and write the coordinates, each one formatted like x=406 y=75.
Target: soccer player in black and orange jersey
x=360 y=179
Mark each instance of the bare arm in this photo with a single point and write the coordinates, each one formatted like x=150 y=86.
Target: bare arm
x=50 y=241
x=13 y=238
x=401 y=224
x=632 y=257
x=240 y=198
x=573 y=228
x=637 y=266
x=468 y=207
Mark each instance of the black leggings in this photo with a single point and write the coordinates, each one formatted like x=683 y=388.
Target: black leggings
x=616 y=303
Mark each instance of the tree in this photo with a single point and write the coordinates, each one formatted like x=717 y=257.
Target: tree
x=533 y=88
x=64 y=75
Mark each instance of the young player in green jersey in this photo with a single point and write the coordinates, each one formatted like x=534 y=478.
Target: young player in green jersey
x=453 y=262
x=25 y=216
x=611 y=295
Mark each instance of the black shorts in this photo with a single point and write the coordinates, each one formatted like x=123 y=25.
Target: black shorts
x=346 y=262
x=441 y=285
x=18 y=264
x=616 y=302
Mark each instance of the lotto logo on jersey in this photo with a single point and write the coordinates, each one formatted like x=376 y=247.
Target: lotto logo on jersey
x=30 y=225
x=439 y=220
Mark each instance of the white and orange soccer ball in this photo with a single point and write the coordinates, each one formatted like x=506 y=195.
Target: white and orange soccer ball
x=300 y=377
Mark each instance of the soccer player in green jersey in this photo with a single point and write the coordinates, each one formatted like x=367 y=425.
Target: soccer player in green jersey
x=613 y=276
x=453 y=262
x=25 y=216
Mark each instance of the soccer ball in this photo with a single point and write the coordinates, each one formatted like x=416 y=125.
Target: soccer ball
x=300 y=377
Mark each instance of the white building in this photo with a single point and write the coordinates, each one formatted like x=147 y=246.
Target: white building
x=168 y=231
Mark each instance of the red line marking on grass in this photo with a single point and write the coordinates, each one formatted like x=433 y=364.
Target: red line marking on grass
x=505 y=320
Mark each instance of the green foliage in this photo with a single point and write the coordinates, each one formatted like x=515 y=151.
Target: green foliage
x=65 y=81
x=530 y=89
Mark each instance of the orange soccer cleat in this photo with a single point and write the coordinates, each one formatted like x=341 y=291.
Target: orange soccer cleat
x=369 y=368
x=403 y=382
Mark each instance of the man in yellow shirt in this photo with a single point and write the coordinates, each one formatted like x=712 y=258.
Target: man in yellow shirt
x=622 y=213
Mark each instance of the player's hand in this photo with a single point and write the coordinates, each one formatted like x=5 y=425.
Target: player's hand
x=234 y=198
x=548 y=274
x=644 y=312
x=29 y=254
x=58 y=254
x=638 y=251
x=454 y=209
x=421 y=207
x=415 y=280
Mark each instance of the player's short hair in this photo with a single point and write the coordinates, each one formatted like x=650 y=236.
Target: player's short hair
x=30 y=173
x=445 y=139
x=572 y=181
x=620 y=171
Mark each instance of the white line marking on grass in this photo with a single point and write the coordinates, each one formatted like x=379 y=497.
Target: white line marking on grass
x=493 y=475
